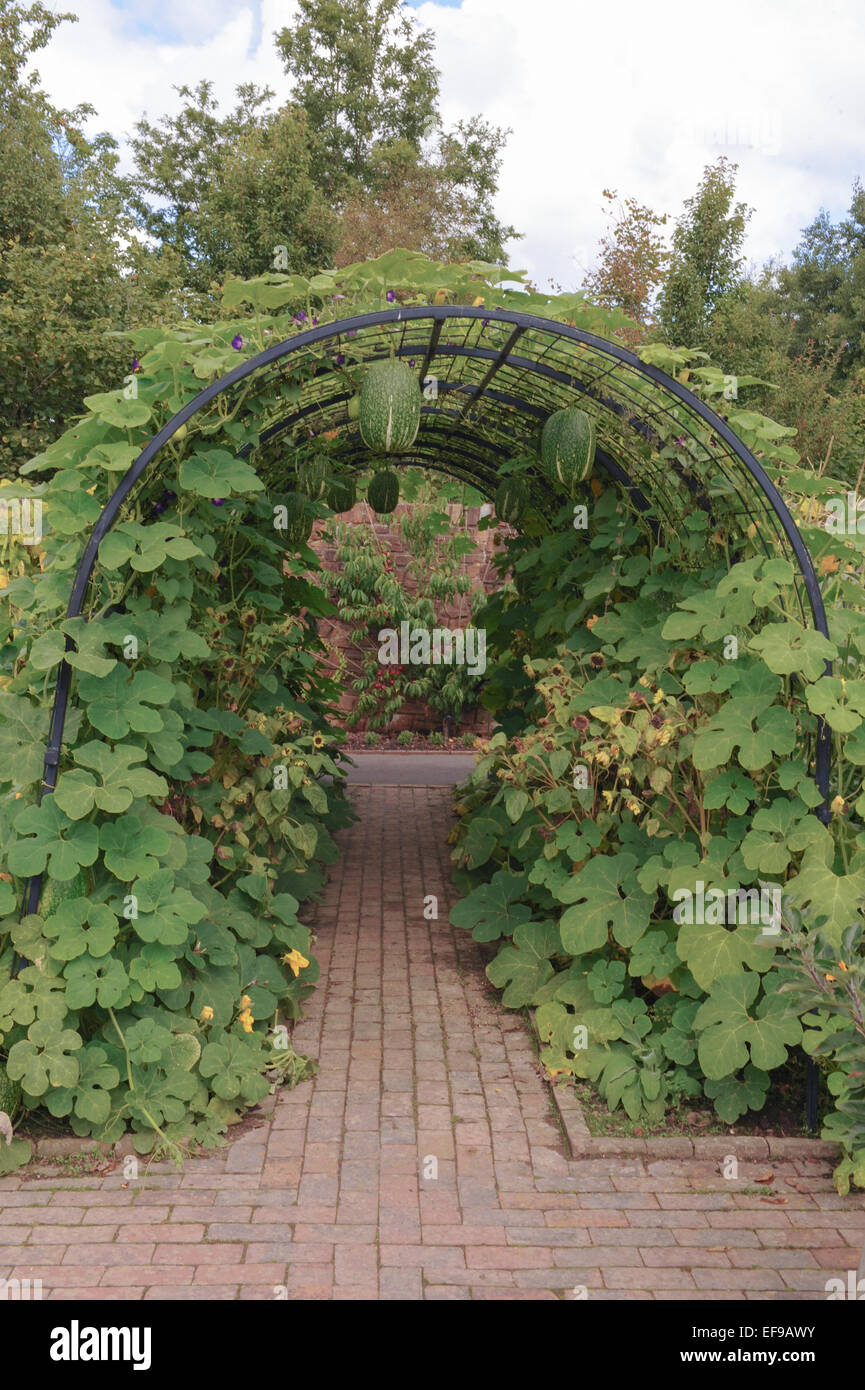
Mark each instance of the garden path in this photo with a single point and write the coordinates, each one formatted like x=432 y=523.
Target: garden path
x=424 y=1160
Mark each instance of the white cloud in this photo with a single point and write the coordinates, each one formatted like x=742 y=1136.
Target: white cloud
x=631 y=96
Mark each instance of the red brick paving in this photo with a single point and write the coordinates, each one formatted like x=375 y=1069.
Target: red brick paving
x=424 y=1160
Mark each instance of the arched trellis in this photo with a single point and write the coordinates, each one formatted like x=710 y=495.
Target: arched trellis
x=498 y=375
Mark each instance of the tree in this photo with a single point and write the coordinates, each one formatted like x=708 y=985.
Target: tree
x=71 y=271
x=440 y=205
x=231 y=189
x=631 y=260
x=824 y=289
x=706 y=260
x=31 y=169
x=363 y=72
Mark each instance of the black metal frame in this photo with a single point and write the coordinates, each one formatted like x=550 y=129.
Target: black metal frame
x=751 y=473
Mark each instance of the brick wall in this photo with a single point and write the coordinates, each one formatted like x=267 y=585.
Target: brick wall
x=478 y=565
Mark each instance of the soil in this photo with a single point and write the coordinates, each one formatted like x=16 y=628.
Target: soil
x=782 y=1117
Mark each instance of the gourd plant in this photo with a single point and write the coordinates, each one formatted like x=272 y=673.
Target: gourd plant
x=657 y=700
x=150 y=991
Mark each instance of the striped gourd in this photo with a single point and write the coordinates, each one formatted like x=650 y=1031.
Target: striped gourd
x=341 y=493
x=54 y=893
x=568 y=448
x=312 y=477
x=298 y=519
x=383 y=491
x=511 y=501
x=390 y=401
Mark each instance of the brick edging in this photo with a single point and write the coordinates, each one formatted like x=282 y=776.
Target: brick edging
x=582 y=1144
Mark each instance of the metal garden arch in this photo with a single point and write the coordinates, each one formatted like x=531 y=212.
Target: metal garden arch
x=499 y=374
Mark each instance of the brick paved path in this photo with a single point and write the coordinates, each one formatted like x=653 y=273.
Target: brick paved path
x=424 y=1161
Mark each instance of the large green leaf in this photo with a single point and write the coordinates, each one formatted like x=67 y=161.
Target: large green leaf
x=522 y=968
x=606 y=899
x=493 y=909
x=49 y=838
x=731 y=1035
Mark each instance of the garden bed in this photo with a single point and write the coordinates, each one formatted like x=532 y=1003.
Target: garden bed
x=417 y=743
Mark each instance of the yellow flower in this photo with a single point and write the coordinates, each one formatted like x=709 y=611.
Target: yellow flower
x=828 y=564
x=318 y=740
x=246 y=1002
x=664 y=736
x=842 y=966
x=591 y=622
x=296 y=961
x=830 y=978
x=837 y=805
x=246 y=1020
x=206 y=1014
x=634 y=806
x=608 y=798
x=659 y=695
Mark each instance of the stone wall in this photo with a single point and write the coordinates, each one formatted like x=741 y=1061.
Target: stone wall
x=478 y=565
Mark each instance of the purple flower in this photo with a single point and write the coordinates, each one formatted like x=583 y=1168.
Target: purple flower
x=681 y=441
x=159 y=508
x=352 y=333
x=390 y=296
x=237 y=342
x=136 y=365
x=485 y=324
x=315 y=323
x=411 y=362
x=169 y=495
x=339 y=359
x=218 y=501
x=300 y=316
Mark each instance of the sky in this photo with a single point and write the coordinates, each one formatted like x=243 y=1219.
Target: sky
x=622 y=95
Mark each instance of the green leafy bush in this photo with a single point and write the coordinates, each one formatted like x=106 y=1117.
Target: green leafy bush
x=657 y=699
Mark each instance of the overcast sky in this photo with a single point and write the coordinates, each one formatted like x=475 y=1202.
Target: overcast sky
x=616 y=93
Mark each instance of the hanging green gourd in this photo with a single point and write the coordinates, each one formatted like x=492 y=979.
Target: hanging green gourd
x=512 y=500
x=383 y=491
x=341 y=493
x=54 y=894
x=352 y=410
x=298 y=520
x=568 y=448
x=312 y=476
x=390 y=401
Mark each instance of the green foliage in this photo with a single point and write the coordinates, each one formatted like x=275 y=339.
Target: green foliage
x=232 y=194
x=639 y=832
x=706 y=257
x=371 y=597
